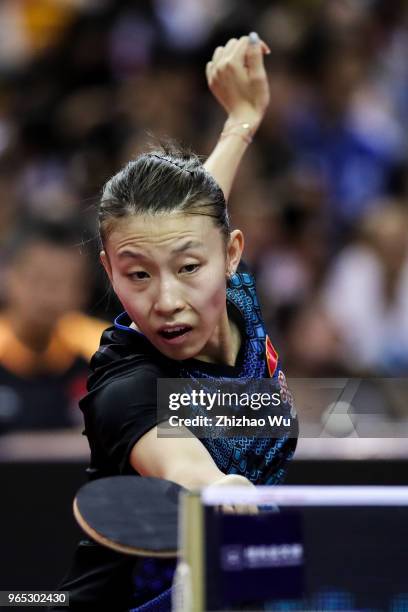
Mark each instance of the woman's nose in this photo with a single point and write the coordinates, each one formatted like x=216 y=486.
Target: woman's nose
x=168 y=300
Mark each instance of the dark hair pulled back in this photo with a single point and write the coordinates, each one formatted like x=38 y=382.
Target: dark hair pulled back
x=162 y=181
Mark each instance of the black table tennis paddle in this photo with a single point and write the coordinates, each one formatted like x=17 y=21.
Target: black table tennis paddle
x=130 y=514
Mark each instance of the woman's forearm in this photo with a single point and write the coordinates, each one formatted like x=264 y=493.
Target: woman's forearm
x=224 y=161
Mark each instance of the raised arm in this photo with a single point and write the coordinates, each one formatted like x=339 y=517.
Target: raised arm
x=237 y=78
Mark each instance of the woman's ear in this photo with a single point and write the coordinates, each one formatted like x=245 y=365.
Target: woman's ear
x=106 y=264
x=234 y=251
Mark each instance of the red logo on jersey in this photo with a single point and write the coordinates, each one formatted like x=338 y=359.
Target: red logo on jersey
x=271 y=357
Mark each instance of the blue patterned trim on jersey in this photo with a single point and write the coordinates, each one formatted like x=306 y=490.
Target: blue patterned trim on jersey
x=261 y=460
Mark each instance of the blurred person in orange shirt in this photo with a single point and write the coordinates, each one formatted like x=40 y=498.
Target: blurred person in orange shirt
x=45 y=21
x=45 y=340
x=29 y=27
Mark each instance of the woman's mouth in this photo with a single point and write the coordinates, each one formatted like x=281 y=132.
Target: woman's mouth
x=175 y=335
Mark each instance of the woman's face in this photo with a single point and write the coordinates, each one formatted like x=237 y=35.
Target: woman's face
x=169 y=272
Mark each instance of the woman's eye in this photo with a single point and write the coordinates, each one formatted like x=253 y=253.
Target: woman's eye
x=190 y=268
x=140 y=275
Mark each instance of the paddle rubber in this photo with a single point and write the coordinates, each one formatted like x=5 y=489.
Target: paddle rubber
x=130 y=514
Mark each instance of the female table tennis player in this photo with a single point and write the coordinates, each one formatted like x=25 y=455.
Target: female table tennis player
x=190 y=311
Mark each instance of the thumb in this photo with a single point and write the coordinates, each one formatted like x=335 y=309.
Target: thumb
x=254 y=56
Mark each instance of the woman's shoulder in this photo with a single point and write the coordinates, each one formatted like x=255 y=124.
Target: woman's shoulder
x=120 y=392
x=125 y=354
x=128 y=387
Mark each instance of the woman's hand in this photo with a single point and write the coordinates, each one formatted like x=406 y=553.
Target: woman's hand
x=234 y=480
x=236 y=76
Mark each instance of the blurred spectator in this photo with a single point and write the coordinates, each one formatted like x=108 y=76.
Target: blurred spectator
x=45 y=342
x=28 y=27
x=292 y=266
x=313 y=347
x=366 y=293
x=342 y=131
x=187 y=25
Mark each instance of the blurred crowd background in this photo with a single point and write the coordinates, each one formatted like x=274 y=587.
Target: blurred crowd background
x=322 y=195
